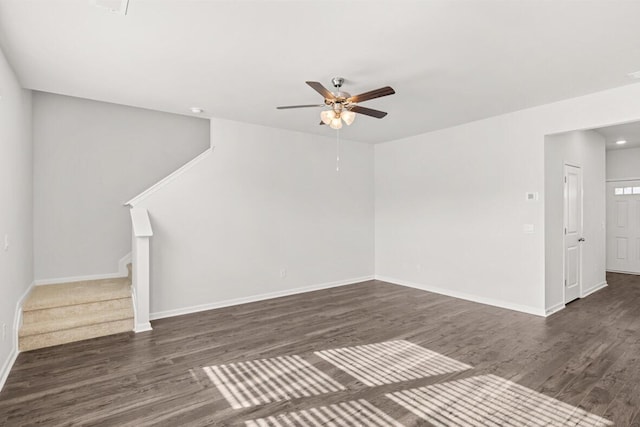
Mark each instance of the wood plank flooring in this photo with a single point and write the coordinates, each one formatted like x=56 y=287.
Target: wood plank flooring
x=586 y=356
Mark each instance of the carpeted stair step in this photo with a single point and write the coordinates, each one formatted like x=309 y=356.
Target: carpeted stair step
x=68 y=312
x=50 y=296
x=34 y=342
x=75 y=321
x=90 y=308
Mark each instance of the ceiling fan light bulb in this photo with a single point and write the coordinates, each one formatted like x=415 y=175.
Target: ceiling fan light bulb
x=348 y=117
x=326 y=116
x=336 y=123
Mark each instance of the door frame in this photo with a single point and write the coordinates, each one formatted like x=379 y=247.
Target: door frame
x=564 y=225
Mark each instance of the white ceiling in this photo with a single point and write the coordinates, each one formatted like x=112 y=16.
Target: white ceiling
x=629 y=132
x=450 y=62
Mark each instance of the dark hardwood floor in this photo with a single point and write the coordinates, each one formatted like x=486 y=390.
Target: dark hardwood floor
x=586 y=356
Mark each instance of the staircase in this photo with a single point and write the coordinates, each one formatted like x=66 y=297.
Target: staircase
x=76 y=311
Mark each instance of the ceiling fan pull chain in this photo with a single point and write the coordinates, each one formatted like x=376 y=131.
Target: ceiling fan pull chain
x=337 y=150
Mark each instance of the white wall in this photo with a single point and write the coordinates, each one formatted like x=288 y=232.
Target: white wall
x=622 y=164
x=91 y=157
x=265 y=200
x=587 y=150
x=16 y=205
x=453 y=201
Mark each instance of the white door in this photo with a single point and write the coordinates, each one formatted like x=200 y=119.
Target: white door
x=623 y=226
x=572 y=232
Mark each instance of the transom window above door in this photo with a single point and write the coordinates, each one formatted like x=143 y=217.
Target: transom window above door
x=625 y=191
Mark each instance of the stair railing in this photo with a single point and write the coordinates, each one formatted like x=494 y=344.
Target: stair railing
x=141 y=233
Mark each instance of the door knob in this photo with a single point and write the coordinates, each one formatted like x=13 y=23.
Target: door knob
x=581 y=239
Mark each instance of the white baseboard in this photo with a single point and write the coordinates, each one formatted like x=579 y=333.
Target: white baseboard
x=469 y=297
x=122 y=265
x=57 y=281
x=593 y=289
x=635 y=273
x=13 y=354
x=254 y=298
x=138 y=327
x=142 y=327
x=6 y=367
x=554 y=309
x=122 y=272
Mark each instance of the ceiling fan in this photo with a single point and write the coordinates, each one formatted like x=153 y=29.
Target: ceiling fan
x=343 y=105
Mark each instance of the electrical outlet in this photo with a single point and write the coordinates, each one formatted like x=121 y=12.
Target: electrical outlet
x=6 y=242
x=4 y=331
x=283 y=273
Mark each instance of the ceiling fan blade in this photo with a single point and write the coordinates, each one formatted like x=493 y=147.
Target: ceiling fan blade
x=317 y=86
x=368 y=111
x=299 y=106
x=378 y=93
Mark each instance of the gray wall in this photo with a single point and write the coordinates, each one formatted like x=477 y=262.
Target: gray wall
x=264 y=201
x=16 y=204
x=586 y=149
x=623 y=164
x=451 y=206
x=89 y=158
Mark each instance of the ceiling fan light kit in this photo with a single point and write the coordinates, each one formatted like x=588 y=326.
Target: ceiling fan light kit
x=331 y=118
x=334 y=117
x=343 y=106
x=348 y=116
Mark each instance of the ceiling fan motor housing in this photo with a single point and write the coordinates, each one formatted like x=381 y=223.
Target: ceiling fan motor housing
x=340 y=97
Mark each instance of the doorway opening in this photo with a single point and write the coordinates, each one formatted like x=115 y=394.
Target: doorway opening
x=623 y=197
x=592 y=210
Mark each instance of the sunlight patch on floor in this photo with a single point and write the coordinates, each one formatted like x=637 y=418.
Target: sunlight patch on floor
x=489 y=400
x=256 y=382
x=390 y=362
x=354 y=413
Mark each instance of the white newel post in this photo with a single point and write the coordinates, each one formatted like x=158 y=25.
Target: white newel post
x=142 y=232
